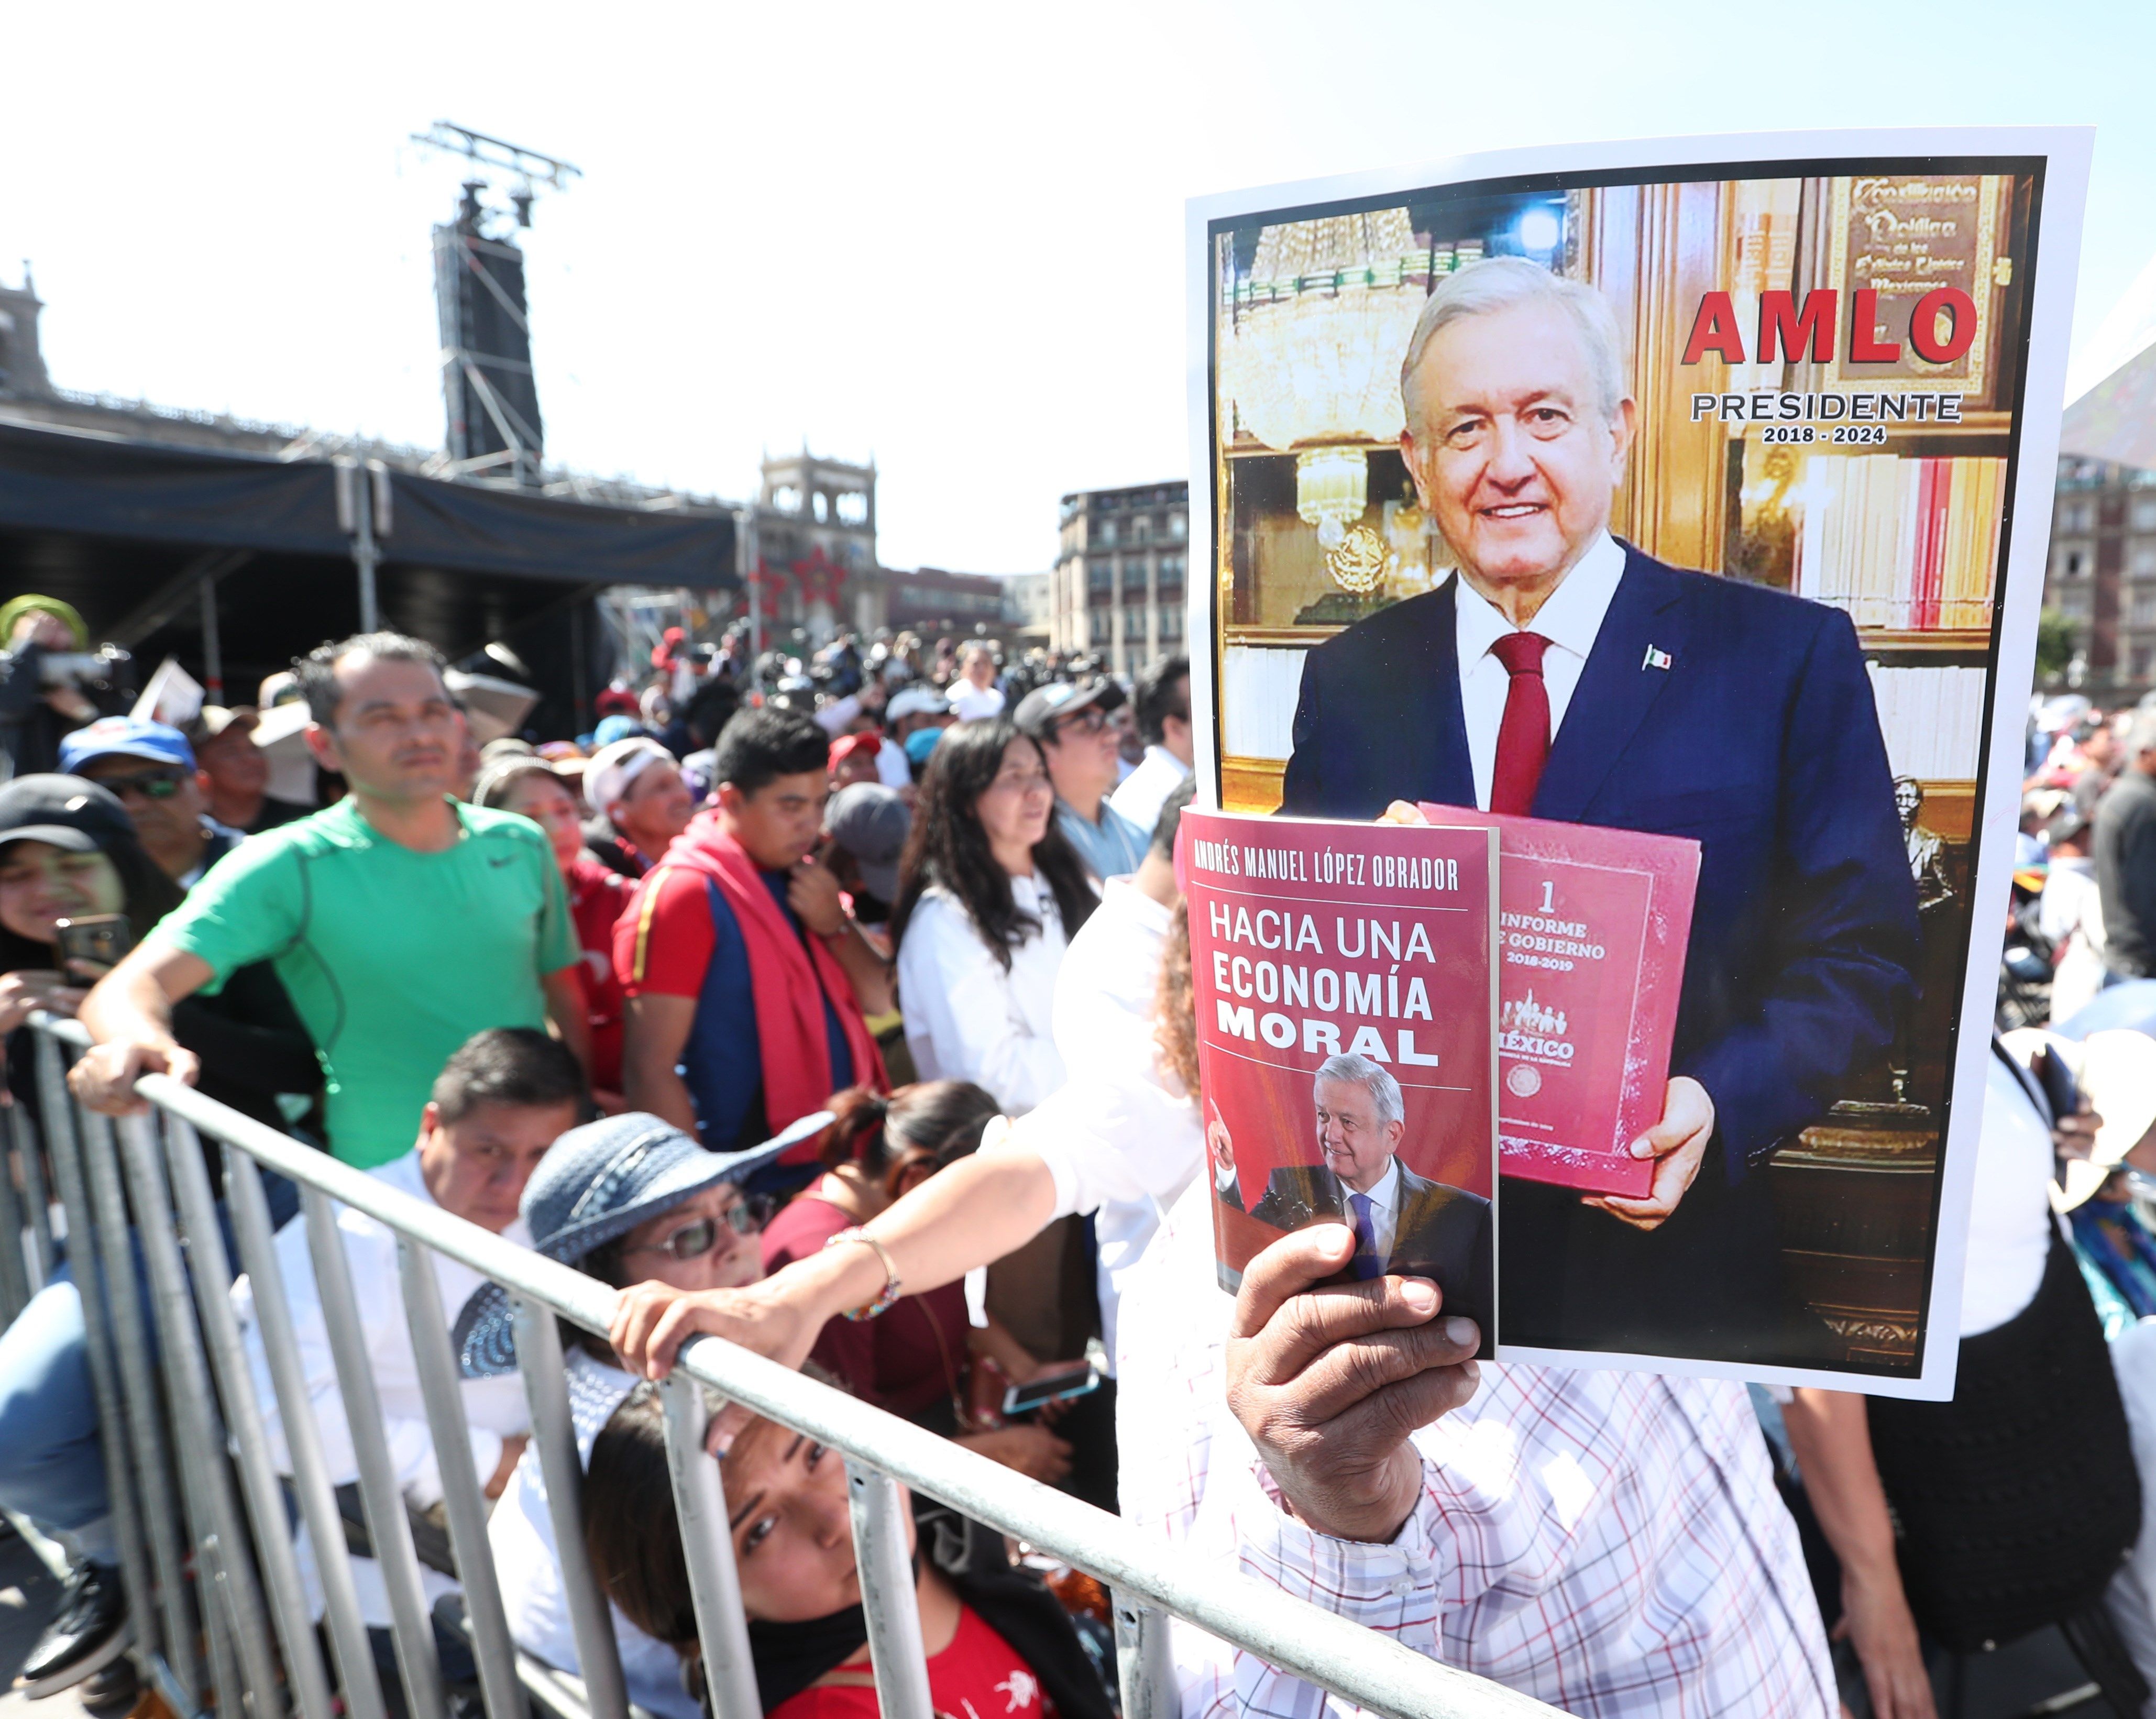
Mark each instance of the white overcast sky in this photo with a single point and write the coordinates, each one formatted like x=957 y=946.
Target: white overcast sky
x=949 y=237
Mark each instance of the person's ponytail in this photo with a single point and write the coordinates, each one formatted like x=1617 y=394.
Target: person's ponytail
x=856 y=1133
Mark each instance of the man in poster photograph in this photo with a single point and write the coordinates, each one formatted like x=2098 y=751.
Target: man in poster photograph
x=1565 y=674
x=1404 y=1223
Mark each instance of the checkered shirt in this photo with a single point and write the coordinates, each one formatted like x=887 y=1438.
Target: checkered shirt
x=1608 y=1542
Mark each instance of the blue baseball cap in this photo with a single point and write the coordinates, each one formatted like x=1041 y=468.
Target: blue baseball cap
x=596 y=1183
x=919 y=744
x=125 y=737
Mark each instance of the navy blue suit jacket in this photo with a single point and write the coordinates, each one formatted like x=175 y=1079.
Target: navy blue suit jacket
x=1760 y=740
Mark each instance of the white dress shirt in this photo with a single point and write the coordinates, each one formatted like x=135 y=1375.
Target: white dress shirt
x=1609 y=1542
x=494 y=1407
x=1104 y=1018
x=969 y=1019
x=1570 y=620
x=1384 y=1209
x=1145 y=789
x=521 y=1533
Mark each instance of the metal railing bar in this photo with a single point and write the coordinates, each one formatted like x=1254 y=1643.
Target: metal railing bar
x=219 y=1535
x=707 y=1547
x=228 y=1354
x=559 y=1692
x=18 y=1247
x=146 y=1423
x=464 y=1500
x=418 y=1661
x=1369 y=1669
x=554 y=1437
x=89 y=1282
x=34 y=1196
x=1144 y=1668
x=229 y=1685
x=303 y=1440
x=888 y=1599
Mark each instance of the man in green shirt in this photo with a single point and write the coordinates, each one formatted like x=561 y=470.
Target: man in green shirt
x=400 y=920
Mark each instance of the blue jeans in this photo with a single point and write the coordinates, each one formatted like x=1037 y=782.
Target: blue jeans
x=52 y=1466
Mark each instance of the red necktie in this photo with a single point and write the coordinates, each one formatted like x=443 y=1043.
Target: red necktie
x=1523 y=738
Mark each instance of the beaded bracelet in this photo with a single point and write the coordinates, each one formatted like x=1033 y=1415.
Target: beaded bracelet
x=882 y=1303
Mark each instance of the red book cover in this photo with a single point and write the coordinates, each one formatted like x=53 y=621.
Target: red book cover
x=1345 y=982
x=1593 y=928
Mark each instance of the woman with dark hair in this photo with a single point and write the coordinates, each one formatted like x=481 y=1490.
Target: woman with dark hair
x=69 y=851
x=998 y=1642
x=912 y=1360
x=990 y=892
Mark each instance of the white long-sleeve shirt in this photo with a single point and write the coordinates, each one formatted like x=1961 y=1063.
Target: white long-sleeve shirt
x=966 y=1018
x=494 y=1407
x=1104 y=1030
x=1609 y=1542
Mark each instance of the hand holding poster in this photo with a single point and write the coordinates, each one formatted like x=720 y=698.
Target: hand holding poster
x=1696 y=490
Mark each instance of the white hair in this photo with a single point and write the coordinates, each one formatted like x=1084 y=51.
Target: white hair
x=1501 y=284
x=1353 y=1070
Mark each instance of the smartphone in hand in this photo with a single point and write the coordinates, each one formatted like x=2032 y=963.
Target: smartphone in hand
x=93 y=945
x=1052 y=1384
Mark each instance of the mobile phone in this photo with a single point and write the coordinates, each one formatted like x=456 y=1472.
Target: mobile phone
x=1052 y=1384
x=97 y=940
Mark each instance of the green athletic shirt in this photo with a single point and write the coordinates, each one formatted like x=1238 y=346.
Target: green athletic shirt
x=393 y=958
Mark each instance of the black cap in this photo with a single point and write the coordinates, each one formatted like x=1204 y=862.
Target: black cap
x=64 y=810
x=1040 y=710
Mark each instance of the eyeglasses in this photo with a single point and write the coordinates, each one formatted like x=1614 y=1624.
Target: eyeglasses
x=692 y=1241
x=150 y=784
x=1092 y=721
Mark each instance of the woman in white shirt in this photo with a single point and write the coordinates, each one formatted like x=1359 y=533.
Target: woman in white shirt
x=990 y=892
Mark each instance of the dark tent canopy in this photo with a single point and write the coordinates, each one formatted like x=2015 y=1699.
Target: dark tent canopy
x=129 y=531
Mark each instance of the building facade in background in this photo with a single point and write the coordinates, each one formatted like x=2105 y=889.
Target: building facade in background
x=2103 y=577
x=1121 y=571
x=1027 y=604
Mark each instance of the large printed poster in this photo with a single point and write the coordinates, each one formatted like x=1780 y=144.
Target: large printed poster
x=1755 y=438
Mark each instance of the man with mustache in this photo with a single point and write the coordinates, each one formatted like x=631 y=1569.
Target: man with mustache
x=401 y=922
x=1563 y=674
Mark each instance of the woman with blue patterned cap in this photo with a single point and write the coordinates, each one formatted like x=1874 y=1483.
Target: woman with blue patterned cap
x=628 y=1199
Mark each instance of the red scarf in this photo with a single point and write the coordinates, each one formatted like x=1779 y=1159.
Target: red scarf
x=790 y=976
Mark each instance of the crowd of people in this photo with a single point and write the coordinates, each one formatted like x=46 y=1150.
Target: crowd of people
x=844 y=1008
x=630 y=998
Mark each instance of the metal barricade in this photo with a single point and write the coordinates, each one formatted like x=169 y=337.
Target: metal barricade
x=201 y=1513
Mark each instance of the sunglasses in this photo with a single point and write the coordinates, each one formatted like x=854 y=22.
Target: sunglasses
x=692 y=1241
x=1092 y=721
x=150 y=784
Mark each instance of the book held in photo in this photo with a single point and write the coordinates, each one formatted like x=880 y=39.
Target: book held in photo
x=1592 y=930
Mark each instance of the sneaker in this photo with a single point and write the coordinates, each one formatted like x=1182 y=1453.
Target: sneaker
x=88 y=1632
x=111 y=1693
